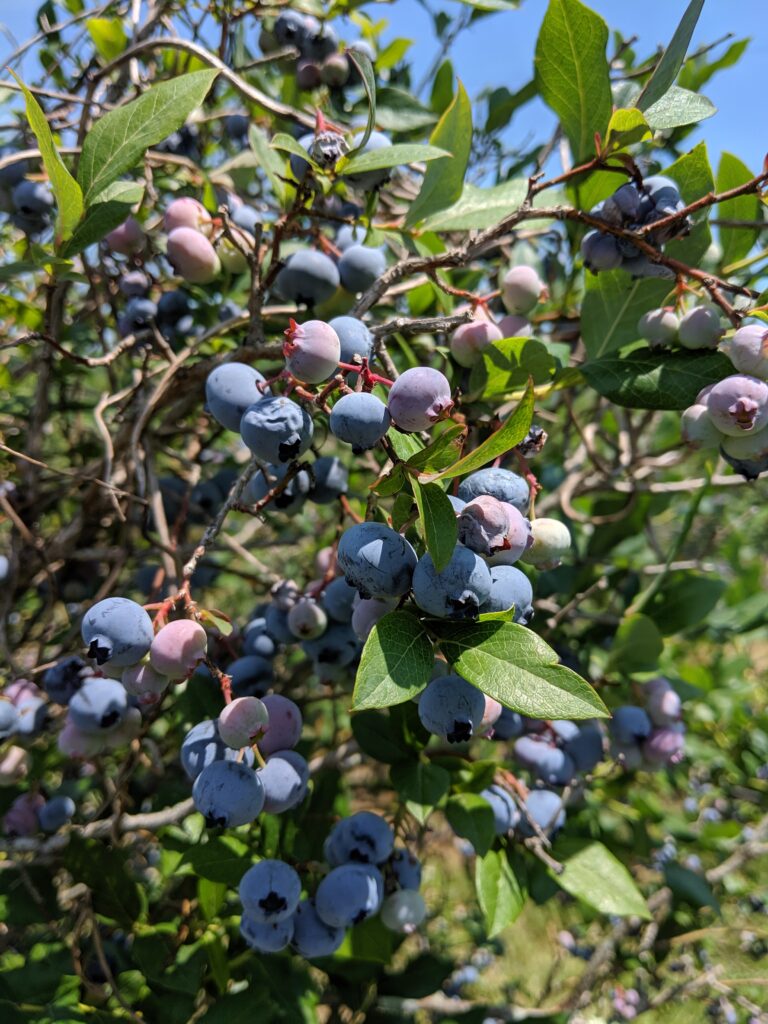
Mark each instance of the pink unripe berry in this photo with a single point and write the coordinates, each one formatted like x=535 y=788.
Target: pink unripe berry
x=325 y=560
x=14 y=765
x=307 y=620
x=491 y=715
x=697 y=428
x=665 y=746
x=312 y=350
x=514 y=326
x=748 y=350
x=283 y=730
x=418 y=398
x=242 y=722
x=366 y=613
x=469 y=340
x=128 y=729
x=186 y=213
x=551 y=540
x=144 y=682
x=307 y=74
x=663 y=703
x=127 y=238
x=521 y=289
x=192 y=256
x=487 y=525
x=21 y=690
x=21 y=817
x=75 y=743
x=178 y=648
x=739 y=405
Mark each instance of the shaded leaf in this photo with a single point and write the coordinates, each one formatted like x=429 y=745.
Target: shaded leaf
x=439 y=524
x=363 y=64
x=470 y=816
x=672 y=60
x=107 y=211
x=637 y=646
x=612 y=307
x=420 y=785
x=655 y=380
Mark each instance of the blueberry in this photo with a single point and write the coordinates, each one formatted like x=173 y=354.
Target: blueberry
x=117 y=630
x=360 y=267
x=308 y=278
x=192 y=256
x=319 y=42
x=251 y=675
x=550 y=763
x=510 y=588
x=354 y=337
x=271 y=937
x=246 y=218
x=748 y=455
x=99 y=704
x=738 y=405
x=349 y=234
x=65 y=678
x=331 y=480
x=403 y=911
x=227 y=794
x=307 y=620
x=9 y=718
x=505 y=812
x=56 y=813
x=136 y=284
x=663 y=703
x=312 y=937
x=33 y=199
x=256 y=639
x=700 y=328
x=285 y=779
x=360 y=419
x=369 y=180
x=508 y=725
x=586 y=747
x=363 y=838
x=469 y=340
x=349 y=894
x=14 y=173
x=338 y=646
x=405 y=868
x=698 y=430
x=338 y=599
x=499 y=483
x=551 y=539
x=291 y=28
x=376 y=560
x=629 y=724
x=458 y=590
x=276 y=622
x=312 y=350
x=270 y=891
x=292 y=496
x=487 y=525
x=665 y=746
x=186 y=212
x=284 y=728
x=139 y=315
x=276 y=429
x=202 y=745
x=418 y=398
x=367 y=612
x=546 y=809
x=177 y=648
x=600 y=252
x=452 y=708
x=658 y=326
x=521 y=289
x=748 y=350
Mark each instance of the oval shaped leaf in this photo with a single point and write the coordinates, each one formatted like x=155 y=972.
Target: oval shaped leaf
x=656 y=380
x=516 y=667
x=396 y=662
x=438 y=520
x=391 y=156
x=592 y=874
x=499 y=892
x=470 y=816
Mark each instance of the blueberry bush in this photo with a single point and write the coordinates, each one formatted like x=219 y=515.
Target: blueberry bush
x=384 y=609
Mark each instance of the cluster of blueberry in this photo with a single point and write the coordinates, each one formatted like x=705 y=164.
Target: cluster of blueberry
x=320 y=62
x=697 y=328
x=368 y=875
x=29 y=203
x=31 y=812
x=311 y=277
x=732 y=415
x=521 y=291
x=633 y=206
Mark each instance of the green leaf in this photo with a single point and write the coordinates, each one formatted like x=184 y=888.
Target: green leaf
x=684 y=601
x=625 y=128
x=420 y=785
x=695 y=179
x=220 y=859
x=378 y=736
x=268 y=160
x=502 y=104
x=470 y=816
x=690 y=887
x=572 y=72
x=438 y=519
x=479 y=208
x=398 y=111
x=636 y=647
x=672 y=60
x=442 y=452
x=391 y=156
x=442 y=87
x=288 y=144
x=499 y=892
x=443 y=181
x=120 y=138
x=655 y=380
x=593 y=875
x=396 y=662
x=736 y=242
x=92 y=862
x=678 y=107
x=108 y=210
x=506 y=365
x=511 y=432
x=108 y=36
x=405 y=445
x=210 y=897
x=612 y=307
x=393 y=53
x=363 y=64
x=69 y=198
x=517 y=668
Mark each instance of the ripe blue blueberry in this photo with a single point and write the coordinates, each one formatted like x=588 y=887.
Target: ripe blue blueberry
x=338 y=599
x=312 y=937
x=337 y=647
x=117 y=630
x=368 y=180
x=586 y=747
x=508 y=725
x=510 y=588
x=202 y=745
x=600 y=252
x=276 y=429
x=349 y=234
x=405 y=868
x=458 y=591
x=330 y=480
x=361 y=266
x=349 y=894
x=292 y=496
x=452 y=708
x=9 y=718
x=376 y=560
x=285 y=778
x=629 y=724
x=505 y=812
x=99 y=704
x=363 y=838
x=360 y=419
x=270 y=891
x=354 y=337
x=308 y=278
x=546 y=809
x=251 y=675
x=229 y=390
x=227 y=794
x=256 y=639
x=55 y=813
x=65 y=678
x=271 y=937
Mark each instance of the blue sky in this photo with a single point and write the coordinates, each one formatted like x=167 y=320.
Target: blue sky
x=498 y=50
